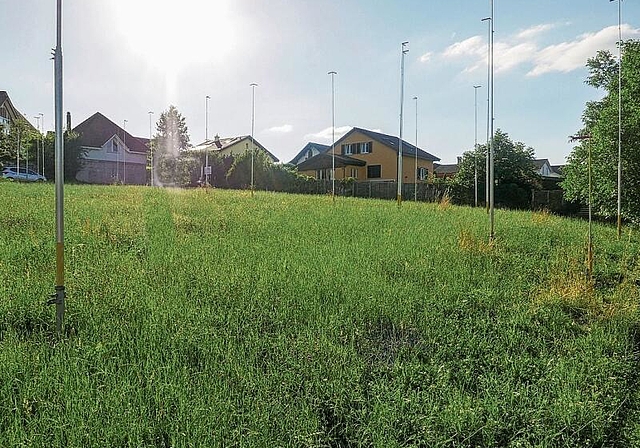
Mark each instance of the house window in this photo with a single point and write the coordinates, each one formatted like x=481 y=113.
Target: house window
x=347 y=149
x=114 y=146
x=374 y=171
x=365 y=148
x=309 y=154
x=423 y=173
x=353 y=172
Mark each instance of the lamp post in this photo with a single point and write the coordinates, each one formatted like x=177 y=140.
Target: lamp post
x=253 y=116
x=151 y=148
x=333 y=135
x=207 y=169
x=619 y=117
x=124 y=152
x=475 y=142
x=415 y=189
x=404 y=50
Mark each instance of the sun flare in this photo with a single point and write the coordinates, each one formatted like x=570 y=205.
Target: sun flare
x=177 y=34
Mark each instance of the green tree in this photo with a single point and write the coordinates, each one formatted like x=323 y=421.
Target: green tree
x=20 y=135
x=515 y=175
x=600 y=121
x=73 y=156
x=169 y=144
x=239 y=175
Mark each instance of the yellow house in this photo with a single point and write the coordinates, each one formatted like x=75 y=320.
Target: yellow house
x=231 y=146
x=367 y=155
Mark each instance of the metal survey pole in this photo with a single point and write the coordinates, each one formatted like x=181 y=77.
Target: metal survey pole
x=207 y=169
x=415 y=189
x=58 y=297
x=333 y=135
x=587 y=138
x=489 y=20
x=404 y=50
x=253 y=116
x=619 y=117
x=475 y=143
x=151 y=147
x=124 y=152
x=492 y=186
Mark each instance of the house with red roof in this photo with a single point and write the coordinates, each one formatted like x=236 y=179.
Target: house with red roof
x=112 y=155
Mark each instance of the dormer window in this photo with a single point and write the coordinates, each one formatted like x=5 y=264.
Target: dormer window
x=114 y=146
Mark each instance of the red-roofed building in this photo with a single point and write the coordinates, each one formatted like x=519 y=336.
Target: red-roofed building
x=112 y=154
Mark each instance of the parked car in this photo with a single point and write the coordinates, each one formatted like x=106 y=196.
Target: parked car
x=24 y=174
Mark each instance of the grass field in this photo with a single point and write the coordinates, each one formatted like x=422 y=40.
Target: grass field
x=211 y=318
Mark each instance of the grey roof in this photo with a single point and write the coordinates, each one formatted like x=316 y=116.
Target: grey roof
x=392 y=142
x=16 y=114
x=539 y=163
x=446 y=169
x=96 y=130
x=324 y=161
x=311 y=145
x=220 y=144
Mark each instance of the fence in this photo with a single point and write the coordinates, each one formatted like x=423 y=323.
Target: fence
x=377 y=190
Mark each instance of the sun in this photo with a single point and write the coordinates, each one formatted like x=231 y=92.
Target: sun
x=178 y=34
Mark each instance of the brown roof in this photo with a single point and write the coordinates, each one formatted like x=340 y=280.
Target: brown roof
x=323 y=161
x=446 y=169
x=220 y=144
x=96 y=130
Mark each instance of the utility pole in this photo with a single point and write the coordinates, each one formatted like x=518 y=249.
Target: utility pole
x=404 y=50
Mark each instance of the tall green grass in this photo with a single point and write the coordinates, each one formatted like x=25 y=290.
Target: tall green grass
x=211 y=318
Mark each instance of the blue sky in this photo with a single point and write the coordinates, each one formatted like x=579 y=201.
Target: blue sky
x=127 y=57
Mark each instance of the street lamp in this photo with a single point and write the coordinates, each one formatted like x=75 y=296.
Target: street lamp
x=619 y=117
x=253 y=116
x=207 y=168
x=475 y=144
x=333 y=135
x=124 y=152
x=404 y=50
x=415 y=189
x=151 y=148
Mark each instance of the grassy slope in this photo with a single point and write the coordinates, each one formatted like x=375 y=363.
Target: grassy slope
x=213 y=318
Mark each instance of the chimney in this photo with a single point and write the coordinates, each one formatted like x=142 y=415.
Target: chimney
x=68 y=121
x=459 y=160
x=216 y=140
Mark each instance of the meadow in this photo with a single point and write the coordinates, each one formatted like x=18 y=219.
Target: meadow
x=213 y=318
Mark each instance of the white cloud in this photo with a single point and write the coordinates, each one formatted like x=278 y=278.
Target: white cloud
x=326 y=134
x=568 y=56
x=426 y=57
x=284 y=129
x=535 y=30
x=522 y=49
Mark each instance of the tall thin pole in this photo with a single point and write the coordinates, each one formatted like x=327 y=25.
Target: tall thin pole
x=475 y=142
x=489 y=20
x=253 y=116
x=59 y=297
x=333 y=135
x=404 y=50
x=207 y=170
x=619 y=118
x=18 y=148
x=587 y=139
x=151 y=147
x=492 y=186
x=42 y=140
x=415 y=189
x=124 y=152
x=37 y=117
